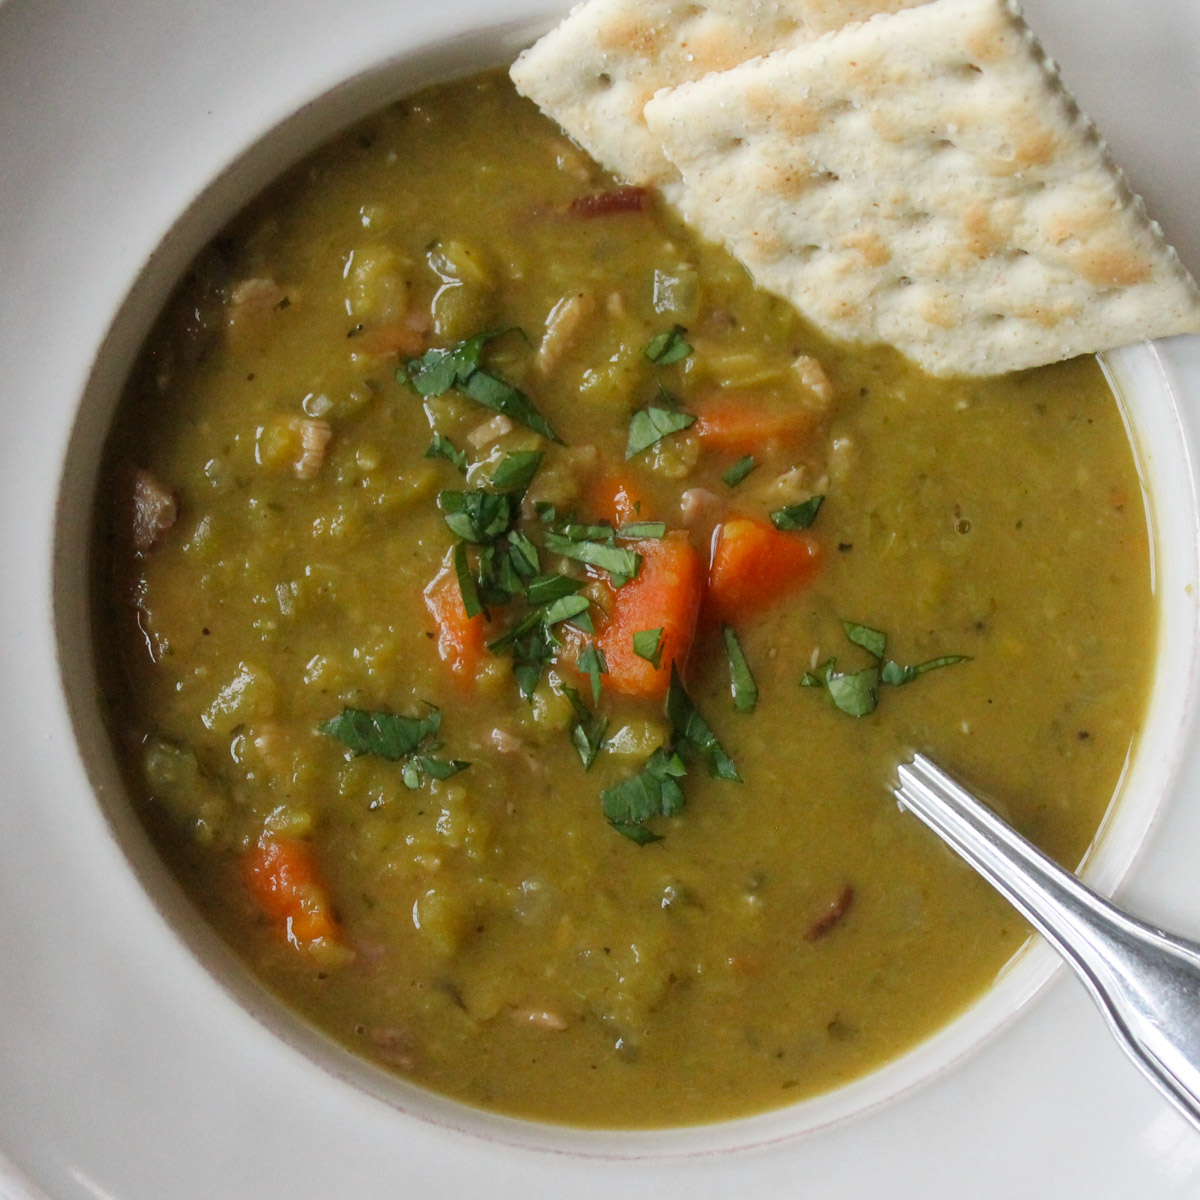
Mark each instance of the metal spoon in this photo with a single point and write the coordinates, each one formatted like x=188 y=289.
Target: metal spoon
x=1146 y=982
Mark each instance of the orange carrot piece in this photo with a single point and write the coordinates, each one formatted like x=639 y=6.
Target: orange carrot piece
x=616 y=498
x=736 y=422
x=460 y=639
x=400 y=339
x=754 y=565
x=281 y=874
x=666 y=594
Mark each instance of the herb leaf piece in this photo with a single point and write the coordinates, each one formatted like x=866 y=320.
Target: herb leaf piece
x=544 y=589
x=476 y=516
x=588 y=730
x=427 y=766
x=643 y=529
x=654 y=791
x=745 y=690
x=619 y=561
x=871 y=640
x=856 y=694
x=668 y=347
x=593 y=664
x=739 y=470
x=385 y=734
x=457 y=366
x=565 y=608
x=516 y=470
x=894 y=673
x=651 y=425
x=438 y=370
x=466 y=581
x=694 y=731
x=493 y=392
x=648 y=644
x=443 y=447
x=797 y=516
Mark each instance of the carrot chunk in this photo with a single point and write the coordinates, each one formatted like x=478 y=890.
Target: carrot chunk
x=754 y=565
x=666 y=595
x=616 y=498
x=281 y=874
x=736 y=422
x=460 y=639
x=399 y=339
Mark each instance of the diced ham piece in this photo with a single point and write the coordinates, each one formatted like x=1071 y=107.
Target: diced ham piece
x=615 y=200
x=315 y=436
x=831 y=917
x=155 y=510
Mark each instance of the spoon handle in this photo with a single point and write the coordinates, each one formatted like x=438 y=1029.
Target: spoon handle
x=1146 y=982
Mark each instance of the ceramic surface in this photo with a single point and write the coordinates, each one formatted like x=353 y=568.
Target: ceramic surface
x=136 y=1061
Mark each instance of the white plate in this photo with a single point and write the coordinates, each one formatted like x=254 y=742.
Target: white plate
x=127 y=1072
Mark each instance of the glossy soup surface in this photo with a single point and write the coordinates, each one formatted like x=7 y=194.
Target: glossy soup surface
x=491 y=933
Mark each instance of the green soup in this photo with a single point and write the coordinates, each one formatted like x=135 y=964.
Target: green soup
x=303 y=502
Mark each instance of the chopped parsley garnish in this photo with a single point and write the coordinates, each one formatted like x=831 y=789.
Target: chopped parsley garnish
x=466 y=581
x=443 y=447
x=516 y=470
x=493 y=392
x=587 y=731
x=668 y=347
x=457 y=366
x=653 y=792
x=871 y=640
x=424 y=766
x=650 y=425
x=593 y=664
x=565 y=608
x=857 y=693
x=739 y=470
x=477 y=516
x=523 y=555
x=396 y=738
x=745 y=690
x=895 y=674
x=619 y=561
x=694 y=732
x=643 y=529
x=648 y=644
x=797 y=516
x=543 y=589
x=531 y=651
x=439 y=370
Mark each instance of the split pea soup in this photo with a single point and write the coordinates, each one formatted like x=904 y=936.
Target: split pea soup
x=510 y=620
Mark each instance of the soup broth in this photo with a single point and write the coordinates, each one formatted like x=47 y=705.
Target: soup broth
x=278 y=580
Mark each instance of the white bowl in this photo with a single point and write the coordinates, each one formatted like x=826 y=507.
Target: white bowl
x=137 y=1058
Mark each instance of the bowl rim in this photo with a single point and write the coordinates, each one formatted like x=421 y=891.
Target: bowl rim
x=1132 y=372
x=69 y=1146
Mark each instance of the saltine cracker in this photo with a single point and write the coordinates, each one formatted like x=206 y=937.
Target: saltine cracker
x=925 y=180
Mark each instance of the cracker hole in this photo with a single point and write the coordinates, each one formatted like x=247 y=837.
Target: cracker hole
x=825 y=177
x=991 y=318
x=902 y=281
x=943 y=144
x=809 y=252
x=972 y=68
x=604 y=79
